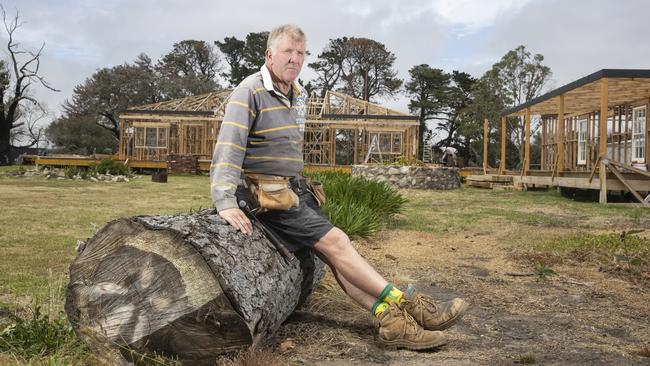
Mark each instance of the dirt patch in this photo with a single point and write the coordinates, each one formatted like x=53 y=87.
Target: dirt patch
x=580 y=317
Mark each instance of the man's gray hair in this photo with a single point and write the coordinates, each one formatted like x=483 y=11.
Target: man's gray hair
x=290 y=30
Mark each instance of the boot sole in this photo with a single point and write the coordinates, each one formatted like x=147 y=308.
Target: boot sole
x=401 y=343
x=451 y=321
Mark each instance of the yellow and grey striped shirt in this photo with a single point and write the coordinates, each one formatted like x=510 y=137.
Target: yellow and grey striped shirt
x=262 y=132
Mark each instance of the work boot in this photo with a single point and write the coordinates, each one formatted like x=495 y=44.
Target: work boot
x=431 y=314
x=399 y=330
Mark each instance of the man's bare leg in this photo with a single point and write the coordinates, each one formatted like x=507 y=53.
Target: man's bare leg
x=335 y=246
x=359 y=296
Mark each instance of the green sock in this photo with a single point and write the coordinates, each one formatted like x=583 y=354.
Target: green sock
x=391 y=294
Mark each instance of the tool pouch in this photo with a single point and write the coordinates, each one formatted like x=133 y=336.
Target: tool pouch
x=316 y=189
x=269 y=192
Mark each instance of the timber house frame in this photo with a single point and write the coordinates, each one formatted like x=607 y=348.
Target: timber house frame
x=340 y=131
x=579 y=149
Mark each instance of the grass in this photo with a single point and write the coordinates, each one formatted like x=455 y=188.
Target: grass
x=623 y=252
x=42 y=220
x=467 y=208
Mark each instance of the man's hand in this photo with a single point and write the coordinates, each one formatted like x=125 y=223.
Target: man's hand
x=238 y=219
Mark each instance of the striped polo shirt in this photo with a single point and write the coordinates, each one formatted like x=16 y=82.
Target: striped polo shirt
x=262 y=132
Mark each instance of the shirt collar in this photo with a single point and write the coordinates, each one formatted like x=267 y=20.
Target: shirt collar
x=267 y=80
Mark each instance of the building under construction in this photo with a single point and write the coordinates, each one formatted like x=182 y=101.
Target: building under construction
x=340 y=131
x=594 y=136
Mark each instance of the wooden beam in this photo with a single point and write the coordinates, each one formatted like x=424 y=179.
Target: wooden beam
x=625 y=183
x=485 y=144
x=560 y=135
x=526 y=166
x=602 y=139
x=502 y=163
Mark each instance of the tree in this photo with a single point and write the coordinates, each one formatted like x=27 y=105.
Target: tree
x=428 y=89
x=19 y=110
x=484 y=104
x=459 y=97
x=329 y=66
x=111 y=90
x=190 y=68
x=80 y=135
x=360 y=67
x=518 y=78
x=244 y=57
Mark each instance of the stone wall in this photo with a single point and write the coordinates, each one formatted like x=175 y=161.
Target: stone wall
x=418 y=177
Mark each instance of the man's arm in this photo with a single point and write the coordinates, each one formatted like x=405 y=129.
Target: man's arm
x=228 y=157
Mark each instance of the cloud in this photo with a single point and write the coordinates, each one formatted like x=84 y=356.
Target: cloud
x=576 y=37
x=470 y=16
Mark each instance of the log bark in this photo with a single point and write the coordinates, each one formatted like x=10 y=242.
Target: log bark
x=187 y=286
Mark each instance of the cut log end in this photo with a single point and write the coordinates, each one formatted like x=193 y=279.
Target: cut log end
x=182 y=286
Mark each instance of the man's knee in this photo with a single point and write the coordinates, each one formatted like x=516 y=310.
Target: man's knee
x=334 y=243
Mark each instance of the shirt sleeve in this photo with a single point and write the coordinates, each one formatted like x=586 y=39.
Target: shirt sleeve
x=230 y=149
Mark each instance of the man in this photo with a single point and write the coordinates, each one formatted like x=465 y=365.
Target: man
x=262 y=133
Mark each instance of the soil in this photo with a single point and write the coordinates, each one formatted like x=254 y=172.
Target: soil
x=582 y=316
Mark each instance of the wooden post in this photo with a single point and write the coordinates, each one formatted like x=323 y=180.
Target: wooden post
x=502 y=163
x=485 y=144
x=526 y=166
x=560 y=135
x=602 y=139
x=356 y=145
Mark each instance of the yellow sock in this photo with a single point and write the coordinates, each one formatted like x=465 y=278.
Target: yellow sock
x=394 y=295
x=379 y=308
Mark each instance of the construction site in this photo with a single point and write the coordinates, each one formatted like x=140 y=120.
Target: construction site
x=340 y=131
x=581 y=150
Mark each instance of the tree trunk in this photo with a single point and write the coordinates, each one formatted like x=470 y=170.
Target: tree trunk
x=187 y=285
x=5 y=143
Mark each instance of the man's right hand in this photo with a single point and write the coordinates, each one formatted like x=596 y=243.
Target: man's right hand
x=238 y=219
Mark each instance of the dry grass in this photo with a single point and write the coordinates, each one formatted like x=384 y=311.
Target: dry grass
x=253 y=357
x=644 y=351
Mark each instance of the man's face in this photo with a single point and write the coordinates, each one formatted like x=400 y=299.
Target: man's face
x=285 y=61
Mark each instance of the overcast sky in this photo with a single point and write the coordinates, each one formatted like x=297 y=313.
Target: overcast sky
x=575 y=37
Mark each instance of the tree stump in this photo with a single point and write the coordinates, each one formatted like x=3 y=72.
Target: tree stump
x=187 y=286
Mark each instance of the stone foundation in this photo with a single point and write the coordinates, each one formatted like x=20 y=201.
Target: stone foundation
x=416 y=177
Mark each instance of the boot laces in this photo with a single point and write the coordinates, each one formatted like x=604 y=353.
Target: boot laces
x=420 y=303
x=409 y=322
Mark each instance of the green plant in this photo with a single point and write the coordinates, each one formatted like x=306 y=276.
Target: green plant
x=110 y=166
x=357 y=205
x=71 y=171
x=525 y=359
x=543 y=272
x=36 y=336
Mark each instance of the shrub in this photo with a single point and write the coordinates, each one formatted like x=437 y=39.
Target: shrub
x=36 y=336
x=357 y=205
x=110 y=166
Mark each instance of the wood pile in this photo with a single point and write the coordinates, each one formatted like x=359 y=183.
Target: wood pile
x=184 y=164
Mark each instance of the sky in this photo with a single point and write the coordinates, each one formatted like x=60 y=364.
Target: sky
x=576 y=37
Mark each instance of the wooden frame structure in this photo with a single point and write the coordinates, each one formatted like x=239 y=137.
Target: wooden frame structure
x=577 y=143
x=340 y=131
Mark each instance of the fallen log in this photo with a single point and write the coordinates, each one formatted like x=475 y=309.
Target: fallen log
x=187 y=286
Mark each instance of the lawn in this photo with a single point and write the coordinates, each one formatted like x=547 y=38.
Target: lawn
x=467 y=239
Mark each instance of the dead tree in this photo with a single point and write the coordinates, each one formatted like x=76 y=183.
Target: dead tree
x=187 y=286
x=17 y=76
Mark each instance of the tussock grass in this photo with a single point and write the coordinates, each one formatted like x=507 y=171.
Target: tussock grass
x=357 y=205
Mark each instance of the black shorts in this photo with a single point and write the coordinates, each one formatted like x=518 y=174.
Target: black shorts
x=298 y=227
